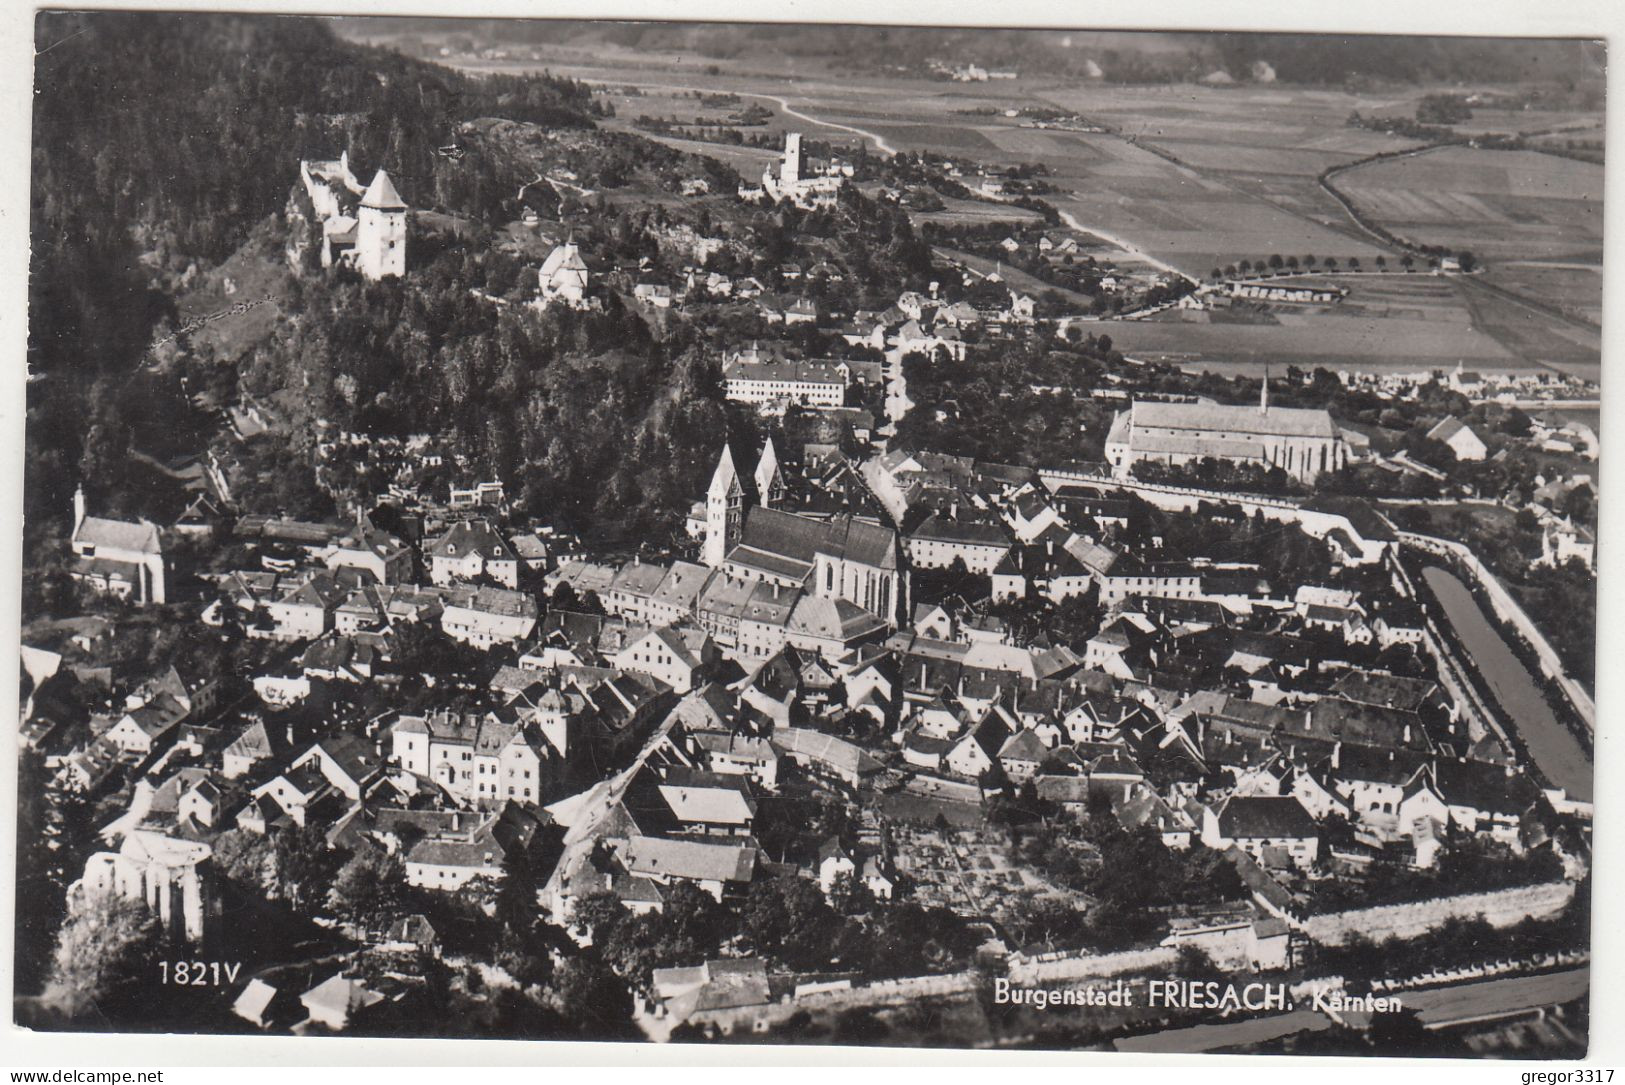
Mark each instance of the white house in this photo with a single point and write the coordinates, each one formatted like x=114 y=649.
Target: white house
x=117 y=557
x=469 y=550
x=1260 y=823
x=1466 y=444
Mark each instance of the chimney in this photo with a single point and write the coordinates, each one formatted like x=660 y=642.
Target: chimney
x=1337 y=754
x=1264 y=393
x=78 y=506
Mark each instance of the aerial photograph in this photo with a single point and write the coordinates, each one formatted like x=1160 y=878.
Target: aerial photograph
x=834 y=535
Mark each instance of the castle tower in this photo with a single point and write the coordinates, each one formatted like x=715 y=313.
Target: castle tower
x=792 y=158
x=769 y=479
x=380 y=238
x=724 y=511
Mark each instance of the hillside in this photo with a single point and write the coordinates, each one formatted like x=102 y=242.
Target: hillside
x=163 y=169
x=167 y=137
x=1111 y=56
x=160 y=143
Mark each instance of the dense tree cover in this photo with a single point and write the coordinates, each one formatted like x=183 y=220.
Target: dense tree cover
x=295 y=866
x=184 y=125
x=55 y=834
x=1021 y=404
x=1469 y=865
x=688 y=930
x=161 y=141
x=369 y=889
x=1126 y=881
x=592 y=419
x=106 y=958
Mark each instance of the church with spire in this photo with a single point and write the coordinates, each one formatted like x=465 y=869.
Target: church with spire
x=733 y=490
x=749 y=534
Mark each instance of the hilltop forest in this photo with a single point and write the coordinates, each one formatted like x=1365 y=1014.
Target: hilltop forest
x=166 y=145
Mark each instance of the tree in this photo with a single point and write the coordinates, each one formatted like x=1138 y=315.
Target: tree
x=788 y=919
x=106 y=957
x=1044 y=920
x=304 y=867
x=516 y=897
x=1275 y=261
x=55 y=833
x=597 y=913
x=851 y=895
x=1467 y=260
x=592 y=999
x=245 y=858
x=369 y=889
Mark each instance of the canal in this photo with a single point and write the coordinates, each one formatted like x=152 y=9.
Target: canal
x=1554 y=749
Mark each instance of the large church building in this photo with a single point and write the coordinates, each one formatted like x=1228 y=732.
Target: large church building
x=843 y=557
x=1302 y=442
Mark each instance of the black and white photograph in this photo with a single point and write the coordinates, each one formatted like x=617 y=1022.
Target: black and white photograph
x=808 y=535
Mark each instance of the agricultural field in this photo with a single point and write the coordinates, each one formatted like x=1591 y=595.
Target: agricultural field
x=1385 y=330
x=974 y=213
x=1500 y=205
x=1201 y=177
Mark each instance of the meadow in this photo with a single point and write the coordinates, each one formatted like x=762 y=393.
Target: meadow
x=1326 y=337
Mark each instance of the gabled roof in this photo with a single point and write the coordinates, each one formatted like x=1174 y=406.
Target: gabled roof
x=1023 y=746
x=1489 y=788
x=1251 y=817
x=469 y=537
x=800 y=539
x=658 y=856
x=832 y=619
x=105 y=534
x=832 y=751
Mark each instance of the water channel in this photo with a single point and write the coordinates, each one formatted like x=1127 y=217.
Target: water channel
x=1554 y=749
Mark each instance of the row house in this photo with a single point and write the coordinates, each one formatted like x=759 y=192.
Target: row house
x=486 y=760
x=487 y=617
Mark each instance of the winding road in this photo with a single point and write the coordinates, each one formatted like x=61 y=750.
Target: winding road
x=1123 y=244
x=880 y=142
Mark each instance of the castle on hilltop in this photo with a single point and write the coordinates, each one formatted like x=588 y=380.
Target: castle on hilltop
x=807 y=185
x=363 y=228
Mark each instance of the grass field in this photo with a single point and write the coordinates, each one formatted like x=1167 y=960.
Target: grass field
x=1334 y=337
